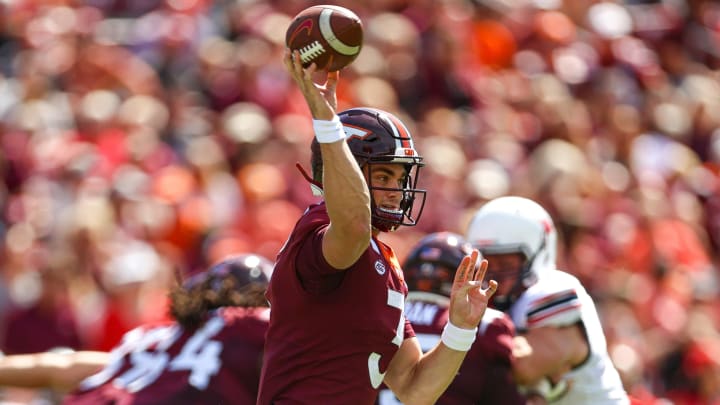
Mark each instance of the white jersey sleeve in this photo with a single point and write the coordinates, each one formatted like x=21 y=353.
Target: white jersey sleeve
x=559 y=299
x=552 y=301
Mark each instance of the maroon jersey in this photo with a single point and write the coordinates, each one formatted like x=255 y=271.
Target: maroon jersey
x=485 y=376
x=218 y=363
x=333 y=346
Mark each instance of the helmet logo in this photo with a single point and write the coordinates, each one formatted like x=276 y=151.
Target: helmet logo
x=547 y=225
x=355 y=132
x=380 y=267
x=483 y=242
x=431 y=253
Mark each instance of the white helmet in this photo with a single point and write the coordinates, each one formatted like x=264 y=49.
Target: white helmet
x=516 y=225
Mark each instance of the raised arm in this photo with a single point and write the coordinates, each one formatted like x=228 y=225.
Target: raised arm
x=61 y=371
x=420 y=379
x=346 y=193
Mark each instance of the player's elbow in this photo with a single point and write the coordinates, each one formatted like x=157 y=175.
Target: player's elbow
x=416 y=397
x=414 y=394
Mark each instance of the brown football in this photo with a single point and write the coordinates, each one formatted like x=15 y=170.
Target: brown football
x=329 y=36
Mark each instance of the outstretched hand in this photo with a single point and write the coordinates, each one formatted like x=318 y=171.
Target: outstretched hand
x=320 y=98
x=468 y=300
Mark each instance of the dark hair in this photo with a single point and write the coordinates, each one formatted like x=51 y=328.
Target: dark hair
x=190 y=306
x=238 y=281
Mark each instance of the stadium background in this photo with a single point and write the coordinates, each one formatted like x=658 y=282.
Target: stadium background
x=143 y=139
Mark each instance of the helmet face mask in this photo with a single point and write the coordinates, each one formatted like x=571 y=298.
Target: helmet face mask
x=237 y=281
x=387 y=220
x=512 y=272
x=378 y=137
x=515 y=225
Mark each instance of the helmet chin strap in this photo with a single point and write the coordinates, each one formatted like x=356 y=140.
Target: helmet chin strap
x=316 y=187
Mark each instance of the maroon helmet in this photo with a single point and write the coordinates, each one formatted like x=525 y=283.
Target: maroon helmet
x=431 y=264
x=376 y=136
x=247 y=269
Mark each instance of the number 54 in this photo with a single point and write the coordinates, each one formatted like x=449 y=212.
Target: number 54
x=146 y=352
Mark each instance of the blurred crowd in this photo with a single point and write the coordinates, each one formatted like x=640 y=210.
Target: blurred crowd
x=142 y=140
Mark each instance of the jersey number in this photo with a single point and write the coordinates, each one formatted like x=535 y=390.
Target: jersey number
x=427 y=341
x=146 y=352
x=396 y=300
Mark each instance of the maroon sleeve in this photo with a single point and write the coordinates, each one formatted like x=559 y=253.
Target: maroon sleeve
x=409 y=331
x=316 y=275
x=486 y=374
x=496 y=339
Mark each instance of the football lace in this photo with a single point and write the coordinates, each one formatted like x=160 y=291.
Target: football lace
x=311 y=51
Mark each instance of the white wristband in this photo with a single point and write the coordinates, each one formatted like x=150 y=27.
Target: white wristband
x=328 y=131
x=457 y=338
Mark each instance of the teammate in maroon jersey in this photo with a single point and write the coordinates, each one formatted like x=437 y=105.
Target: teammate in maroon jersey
x=337 y=328
x=211 y=354
x=485 y=376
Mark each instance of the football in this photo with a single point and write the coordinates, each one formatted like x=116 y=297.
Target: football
x=329 y=36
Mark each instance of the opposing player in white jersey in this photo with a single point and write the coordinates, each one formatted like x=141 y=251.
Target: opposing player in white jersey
x=560 y=349
x=485 y=376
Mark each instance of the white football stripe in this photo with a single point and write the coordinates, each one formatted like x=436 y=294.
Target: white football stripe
x=329 y=35
x=396 y=299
